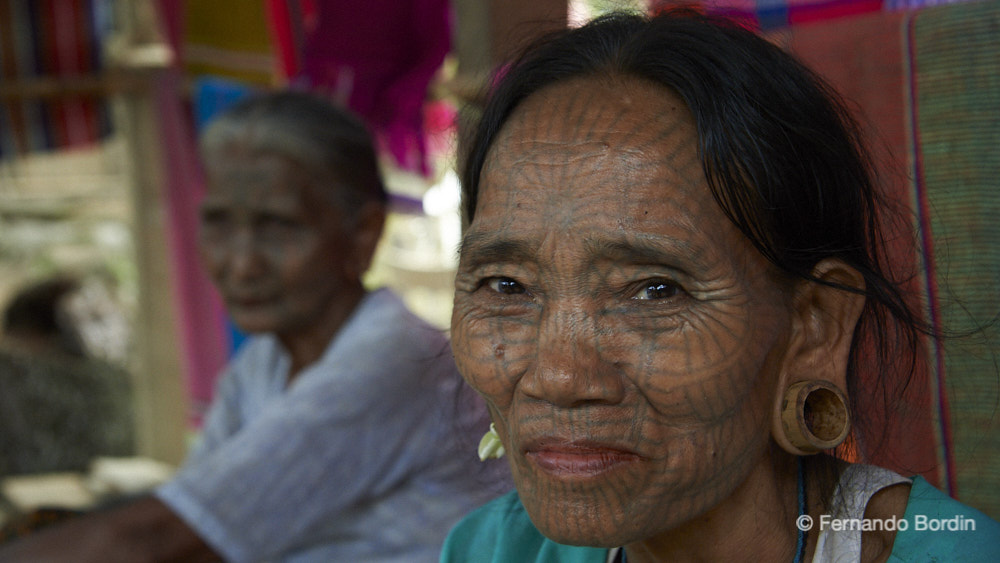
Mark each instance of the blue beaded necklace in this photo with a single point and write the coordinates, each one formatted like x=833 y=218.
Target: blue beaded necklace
x=800 y=543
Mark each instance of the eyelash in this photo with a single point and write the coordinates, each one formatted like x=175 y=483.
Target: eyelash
x=495 y=284
x=661 y=285
x=508 y=286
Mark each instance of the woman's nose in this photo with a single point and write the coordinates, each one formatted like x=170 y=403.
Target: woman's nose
x=244 y=257
x=571 y=367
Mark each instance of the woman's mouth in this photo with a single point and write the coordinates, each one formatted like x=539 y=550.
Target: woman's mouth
x=247 y=300
x=578 y=459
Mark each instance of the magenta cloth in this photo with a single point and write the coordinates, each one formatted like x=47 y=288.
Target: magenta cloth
x=776 y=14
x=200 y=313
x=378 y=57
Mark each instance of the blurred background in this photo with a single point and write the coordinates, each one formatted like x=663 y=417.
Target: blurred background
x=101 y=101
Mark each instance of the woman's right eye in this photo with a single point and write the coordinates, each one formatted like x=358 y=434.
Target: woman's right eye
x=505 y=286
x=214 y=221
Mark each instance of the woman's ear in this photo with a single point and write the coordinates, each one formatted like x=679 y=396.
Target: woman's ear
x=366 y=235
x=826 y=312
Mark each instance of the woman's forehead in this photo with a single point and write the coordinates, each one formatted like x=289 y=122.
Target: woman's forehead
x=611 y=143
x=608 y=123
x=589 y=106
x=605 y=163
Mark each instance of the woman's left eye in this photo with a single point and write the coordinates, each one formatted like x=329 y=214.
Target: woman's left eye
x=506 y=286
x=658 y=290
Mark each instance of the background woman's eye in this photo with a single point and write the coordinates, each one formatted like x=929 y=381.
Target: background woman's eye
x=658 y=290
x=506 y=286
x=214 y=223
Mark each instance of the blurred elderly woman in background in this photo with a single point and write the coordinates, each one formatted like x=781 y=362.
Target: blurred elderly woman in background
x=337 y=430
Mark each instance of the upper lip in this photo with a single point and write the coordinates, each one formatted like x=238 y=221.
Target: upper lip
x=577 y=459
x=576 y=447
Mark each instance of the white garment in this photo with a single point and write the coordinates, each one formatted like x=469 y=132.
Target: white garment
x=857 y=485
x=369 y=455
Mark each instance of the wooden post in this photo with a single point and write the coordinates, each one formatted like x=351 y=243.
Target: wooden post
x=160 y=397
x=160 y=400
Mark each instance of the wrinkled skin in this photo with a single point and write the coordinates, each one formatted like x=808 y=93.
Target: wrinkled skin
x=278 y=249
x=627 y=338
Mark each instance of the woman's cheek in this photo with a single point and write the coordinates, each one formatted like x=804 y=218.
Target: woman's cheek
x=483 y=356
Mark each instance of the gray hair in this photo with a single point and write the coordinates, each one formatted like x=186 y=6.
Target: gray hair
x=330 y=144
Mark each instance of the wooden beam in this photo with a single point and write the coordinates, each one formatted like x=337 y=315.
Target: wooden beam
x=88 y=85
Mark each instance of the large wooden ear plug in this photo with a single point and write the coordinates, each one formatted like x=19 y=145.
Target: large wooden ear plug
x=814 y=416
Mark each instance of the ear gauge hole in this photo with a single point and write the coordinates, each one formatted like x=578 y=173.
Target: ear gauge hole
x=815 y=416
x=824 y=414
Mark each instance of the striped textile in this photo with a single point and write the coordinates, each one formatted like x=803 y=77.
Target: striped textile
x=954 y=71
x=927 y=85
x=41 y=39
x=776 y=14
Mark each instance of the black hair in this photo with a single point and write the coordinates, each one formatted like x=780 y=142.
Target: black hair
x=37 y=312
x=783 y=156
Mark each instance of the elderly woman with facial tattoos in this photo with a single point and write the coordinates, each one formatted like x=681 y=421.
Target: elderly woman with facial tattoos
x=671 y=257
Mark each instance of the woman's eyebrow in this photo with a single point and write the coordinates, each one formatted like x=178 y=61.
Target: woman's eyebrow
x=490 y=247
x=641 y=250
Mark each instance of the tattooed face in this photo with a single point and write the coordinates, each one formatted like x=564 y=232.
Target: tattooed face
x=275 y=247
x=625 y=335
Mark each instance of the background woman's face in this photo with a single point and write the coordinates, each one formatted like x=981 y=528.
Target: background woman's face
x=275 y=247
x=626 y=336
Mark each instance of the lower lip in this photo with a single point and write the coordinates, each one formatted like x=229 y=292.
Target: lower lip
x=587 y=463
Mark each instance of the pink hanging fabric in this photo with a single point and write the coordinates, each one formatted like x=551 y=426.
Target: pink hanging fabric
x=199 y=309
x=378 y=57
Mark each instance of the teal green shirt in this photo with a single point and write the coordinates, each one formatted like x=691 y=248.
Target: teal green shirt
x=500 y=532
x=920 y=543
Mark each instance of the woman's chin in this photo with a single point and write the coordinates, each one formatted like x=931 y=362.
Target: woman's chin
x=574 y=530
x=252 y=322
x=578 y=520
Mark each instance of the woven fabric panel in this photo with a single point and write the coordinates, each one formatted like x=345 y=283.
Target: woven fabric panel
x=955 y=65
x=862 y=58
x=926 y=85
